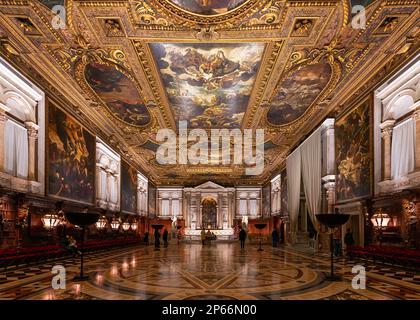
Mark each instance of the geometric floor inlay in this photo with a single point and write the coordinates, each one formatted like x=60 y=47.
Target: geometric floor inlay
x=219 y=271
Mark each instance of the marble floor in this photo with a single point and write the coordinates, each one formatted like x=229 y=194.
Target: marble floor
x=219 y=271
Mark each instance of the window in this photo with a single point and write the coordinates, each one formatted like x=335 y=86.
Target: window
x=16 y=149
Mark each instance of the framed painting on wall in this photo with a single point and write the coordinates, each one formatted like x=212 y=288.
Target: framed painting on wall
x=152 y=200
x=71 y=158
x=284 y=207
x=128 y=188
x=353 y=153
x=266 y=200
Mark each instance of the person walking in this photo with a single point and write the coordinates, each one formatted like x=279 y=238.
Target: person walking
x=348 y=239
x=179 y=236
x=337 y=242
x=165 y=238
x=157 y=239
x=242 y=238
x=203 y=237
x=275 y=237
x=146 y=238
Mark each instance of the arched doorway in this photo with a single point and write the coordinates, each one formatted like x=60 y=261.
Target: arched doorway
x=209 y=213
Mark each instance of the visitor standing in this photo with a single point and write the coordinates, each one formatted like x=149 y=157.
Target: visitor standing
x=337 y=242
x=157 y=239
x=146 y=238
x=165 y=238
x=242 y=238
x=203 y=237
x=275 y=237
x=348 y=239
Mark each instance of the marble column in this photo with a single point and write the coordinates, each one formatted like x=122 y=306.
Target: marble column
x=330 y=192
x=3 y=119
x=387 y=128
x=416 y=118
x=32 y=129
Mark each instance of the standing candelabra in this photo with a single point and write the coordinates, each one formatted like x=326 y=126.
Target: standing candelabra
x=82 y=220
x=260 y=226
x=332 y=220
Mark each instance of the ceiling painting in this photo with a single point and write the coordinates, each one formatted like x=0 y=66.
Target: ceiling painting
x=207 y=84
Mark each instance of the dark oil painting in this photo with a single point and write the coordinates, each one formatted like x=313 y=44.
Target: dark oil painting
x=297 y=93
x=353 y=155
x=208 y=7
x=266 y=200
x=284 y=201
x=118 y=92
x=152 y=200
x=71 y=158
x=128 y=188
x=208 y=84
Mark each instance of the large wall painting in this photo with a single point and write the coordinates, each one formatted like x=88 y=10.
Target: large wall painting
x=266 y=200
x=152 y=200
x=118 y=92
x=284 y=202
x=353 y=153
x=297 y=93
x=208 y=7
x=207 y=84
x=71 y=158
x=128 y=188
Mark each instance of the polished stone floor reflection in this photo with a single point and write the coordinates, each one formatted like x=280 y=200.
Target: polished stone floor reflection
x=219 y=271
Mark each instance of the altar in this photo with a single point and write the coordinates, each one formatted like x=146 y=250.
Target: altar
x=209 y=206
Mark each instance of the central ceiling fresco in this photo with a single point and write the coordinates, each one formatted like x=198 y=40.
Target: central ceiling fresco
x=208 y=85
x=128 y=68
x=208 y=7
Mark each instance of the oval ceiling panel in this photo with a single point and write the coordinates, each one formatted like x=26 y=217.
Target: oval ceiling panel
x=297 y=93
x=208 y=7
x=118 y=92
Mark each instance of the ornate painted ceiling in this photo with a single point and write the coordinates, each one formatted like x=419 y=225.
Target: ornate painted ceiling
x=128 y=68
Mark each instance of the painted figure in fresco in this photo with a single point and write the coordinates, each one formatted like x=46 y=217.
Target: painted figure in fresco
x=208 y=7
x=118 y=92
x=208 y=85
x=129 y=188
x=298 y=92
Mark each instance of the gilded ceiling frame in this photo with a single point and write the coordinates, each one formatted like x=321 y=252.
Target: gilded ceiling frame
x=113 y=58
x=298 y=60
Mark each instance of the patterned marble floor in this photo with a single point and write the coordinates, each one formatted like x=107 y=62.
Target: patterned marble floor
x=219 y=271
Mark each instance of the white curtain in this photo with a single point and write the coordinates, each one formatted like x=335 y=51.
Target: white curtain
x=102 y=187
x=141 y=200
x=165 y=207
x=253 y=207
x=145 y=201
x=242 y=207
x=16 y=149
x=311 y=173
x=403 y=149
x=113 y=190
x=175 y=207
x=293 y=168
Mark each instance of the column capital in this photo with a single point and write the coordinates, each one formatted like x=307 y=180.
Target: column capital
x=416 y=114
x=32 y=128
x=387 y=126
x=3 y=110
